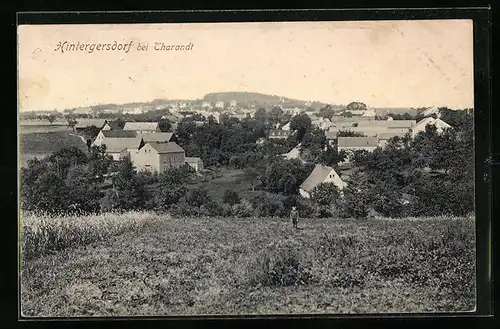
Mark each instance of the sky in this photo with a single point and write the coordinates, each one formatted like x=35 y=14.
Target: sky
x=381 y=63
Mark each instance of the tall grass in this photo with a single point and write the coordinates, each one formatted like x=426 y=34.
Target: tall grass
x=41 y=234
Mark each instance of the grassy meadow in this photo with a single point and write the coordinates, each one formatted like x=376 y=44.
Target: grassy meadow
x=40 y=141
x=147 y=264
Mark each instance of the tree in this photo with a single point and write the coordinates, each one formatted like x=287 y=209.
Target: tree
x=83 y=191
x=63 y=159
x=164 y=125
x=356 y=106
x=51 y=118
x=129 y=189
x=71 y=122
x=252 y=176
x=325 y=194
x=301 y=123
x=231 y=197
x=275 y=115
x=261 y=115
x=348 y=133
x=48 y=194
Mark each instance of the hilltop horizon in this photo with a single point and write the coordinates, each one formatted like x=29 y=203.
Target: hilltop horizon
x=227 y=96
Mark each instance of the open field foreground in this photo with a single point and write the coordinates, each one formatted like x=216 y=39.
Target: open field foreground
x=146 y=264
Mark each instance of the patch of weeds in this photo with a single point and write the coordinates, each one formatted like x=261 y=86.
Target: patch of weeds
x=278 y=265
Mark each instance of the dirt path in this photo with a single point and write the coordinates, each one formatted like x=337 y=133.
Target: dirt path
x=81 y=137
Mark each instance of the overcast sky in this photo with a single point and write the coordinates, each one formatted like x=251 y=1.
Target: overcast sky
x=383 y=64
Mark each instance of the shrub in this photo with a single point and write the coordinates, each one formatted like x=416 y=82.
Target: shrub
x=325 y=194
x=243 y=209
x=278 y=265
x=306 y=208
x=231 y=197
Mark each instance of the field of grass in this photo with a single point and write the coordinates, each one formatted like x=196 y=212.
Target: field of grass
x=41 y=144
x=148 y=264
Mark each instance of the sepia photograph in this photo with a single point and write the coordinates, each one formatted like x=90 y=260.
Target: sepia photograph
x=250 y=168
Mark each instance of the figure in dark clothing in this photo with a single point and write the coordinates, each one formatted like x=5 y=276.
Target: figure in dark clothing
x=294 y=215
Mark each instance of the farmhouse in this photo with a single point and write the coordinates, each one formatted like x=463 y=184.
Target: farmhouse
x=105 y=135
x=142 y=127
x=389 y=124
x=86 y=123
x=320 y=174
x=195 y=162
x=383 y=138
x=156 y=137
x=438 y=123
x=120 y=147
x=279 y=134
x=156 y=157
x=352 y=144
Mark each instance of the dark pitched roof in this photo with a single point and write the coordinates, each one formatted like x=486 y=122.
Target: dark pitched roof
x=156 y=137
x=115 y=145
x=114 y=125
x=170 y=147
x=119 y=133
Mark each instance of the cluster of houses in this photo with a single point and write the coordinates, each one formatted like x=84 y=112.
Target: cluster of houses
x=374 y=134
x=148 y=147
x=367 y=132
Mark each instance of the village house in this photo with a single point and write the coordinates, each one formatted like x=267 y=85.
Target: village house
x=320 y=174
x=351 y=144
x=233 y=103
x=279 y=134
x=121 y=147
x=82 y=124
x=156 y=157
x=219 y=104
x=142 y=127
x=206 y=105
x=195 y=163
x=383 y=138
x=438 y=123
x=105 y=135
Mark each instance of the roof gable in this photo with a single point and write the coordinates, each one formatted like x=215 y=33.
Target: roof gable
x=156 y=137
x=319 y=174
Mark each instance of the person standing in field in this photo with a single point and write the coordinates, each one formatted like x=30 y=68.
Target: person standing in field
x=294 y=215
